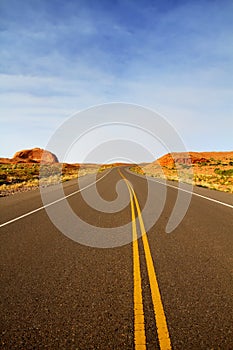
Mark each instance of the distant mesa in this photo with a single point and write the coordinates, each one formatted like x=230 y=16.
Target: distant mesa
x=35 y=155
x=189 y=158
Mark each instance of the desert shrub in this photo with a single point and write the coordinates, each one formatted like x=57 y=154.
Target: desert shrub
x=185 y=166
x=228 y=172
x=138 y=170
x=3 y=179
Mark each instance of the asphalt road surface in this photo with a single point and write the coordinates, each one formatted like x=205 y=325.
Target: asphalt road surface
x=162 y=291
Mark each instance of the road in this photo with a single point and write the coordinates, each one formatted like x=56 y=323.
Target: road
x=162 y=291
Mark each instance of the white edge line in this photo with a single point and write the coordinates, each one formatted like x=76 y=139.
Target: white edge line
x=49 y=204
x=194 y=193
x=181 y=189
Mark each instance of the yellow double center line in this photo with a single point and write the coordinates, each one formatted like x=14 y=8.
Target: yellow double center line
x=160 y=318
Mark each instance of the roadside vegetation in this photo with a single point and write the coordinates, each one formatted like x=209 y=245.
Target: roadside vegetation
x=26 y=176
x=214 y=174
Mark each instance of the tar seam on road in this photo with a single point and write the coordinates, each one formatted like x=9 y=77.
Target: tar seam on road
x=160 y=318
x=49 y=204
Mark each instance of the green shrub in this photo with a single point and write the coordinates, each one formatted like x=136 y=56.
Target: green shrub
x=228 y=172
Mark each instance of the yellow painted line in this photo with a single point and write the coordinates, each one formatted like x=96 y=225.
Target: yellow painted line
x=139 y=322
x=160 y=318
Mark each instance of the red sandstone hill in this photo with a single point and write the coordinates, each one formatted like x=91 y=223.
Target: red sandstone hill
x=169 y=160
x=35 y=155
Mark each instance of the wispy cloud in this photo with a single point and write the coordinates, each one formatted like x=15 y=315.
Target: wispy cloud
x=58 y=57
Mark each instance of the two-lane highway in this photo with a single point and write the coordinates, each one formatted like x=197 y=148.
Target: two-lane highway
x=161 y=291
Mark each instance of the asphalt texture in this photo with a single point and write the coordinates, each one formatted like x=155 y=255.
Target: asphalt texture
x=56 y=293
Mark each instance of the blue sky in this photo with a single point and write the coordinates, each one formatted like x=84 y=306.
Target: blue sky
x=59 y=57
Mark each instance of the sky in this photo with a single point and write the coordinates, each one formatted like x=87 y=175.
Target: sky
x=59 y=57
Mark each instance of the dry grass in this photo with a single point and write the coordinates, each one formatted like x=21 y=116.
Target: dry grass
x=215 y=175
x=24 y=177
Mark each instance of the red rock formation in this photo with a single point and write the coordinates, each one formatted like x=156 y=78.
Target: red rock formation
x=5 y=160
x=169 y=160
x=188 y=158
x=35 y=155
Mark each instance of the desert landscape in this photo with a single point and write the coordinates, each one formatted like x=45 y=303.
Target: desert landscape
x=24 y=171
x=213 y=170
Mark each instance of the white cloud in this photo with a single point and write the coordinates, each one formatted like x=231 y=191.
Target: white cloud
x=178 y=62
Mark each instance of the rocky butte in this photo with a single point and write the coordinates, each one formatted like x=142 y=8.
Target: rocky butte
x=34 y=155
